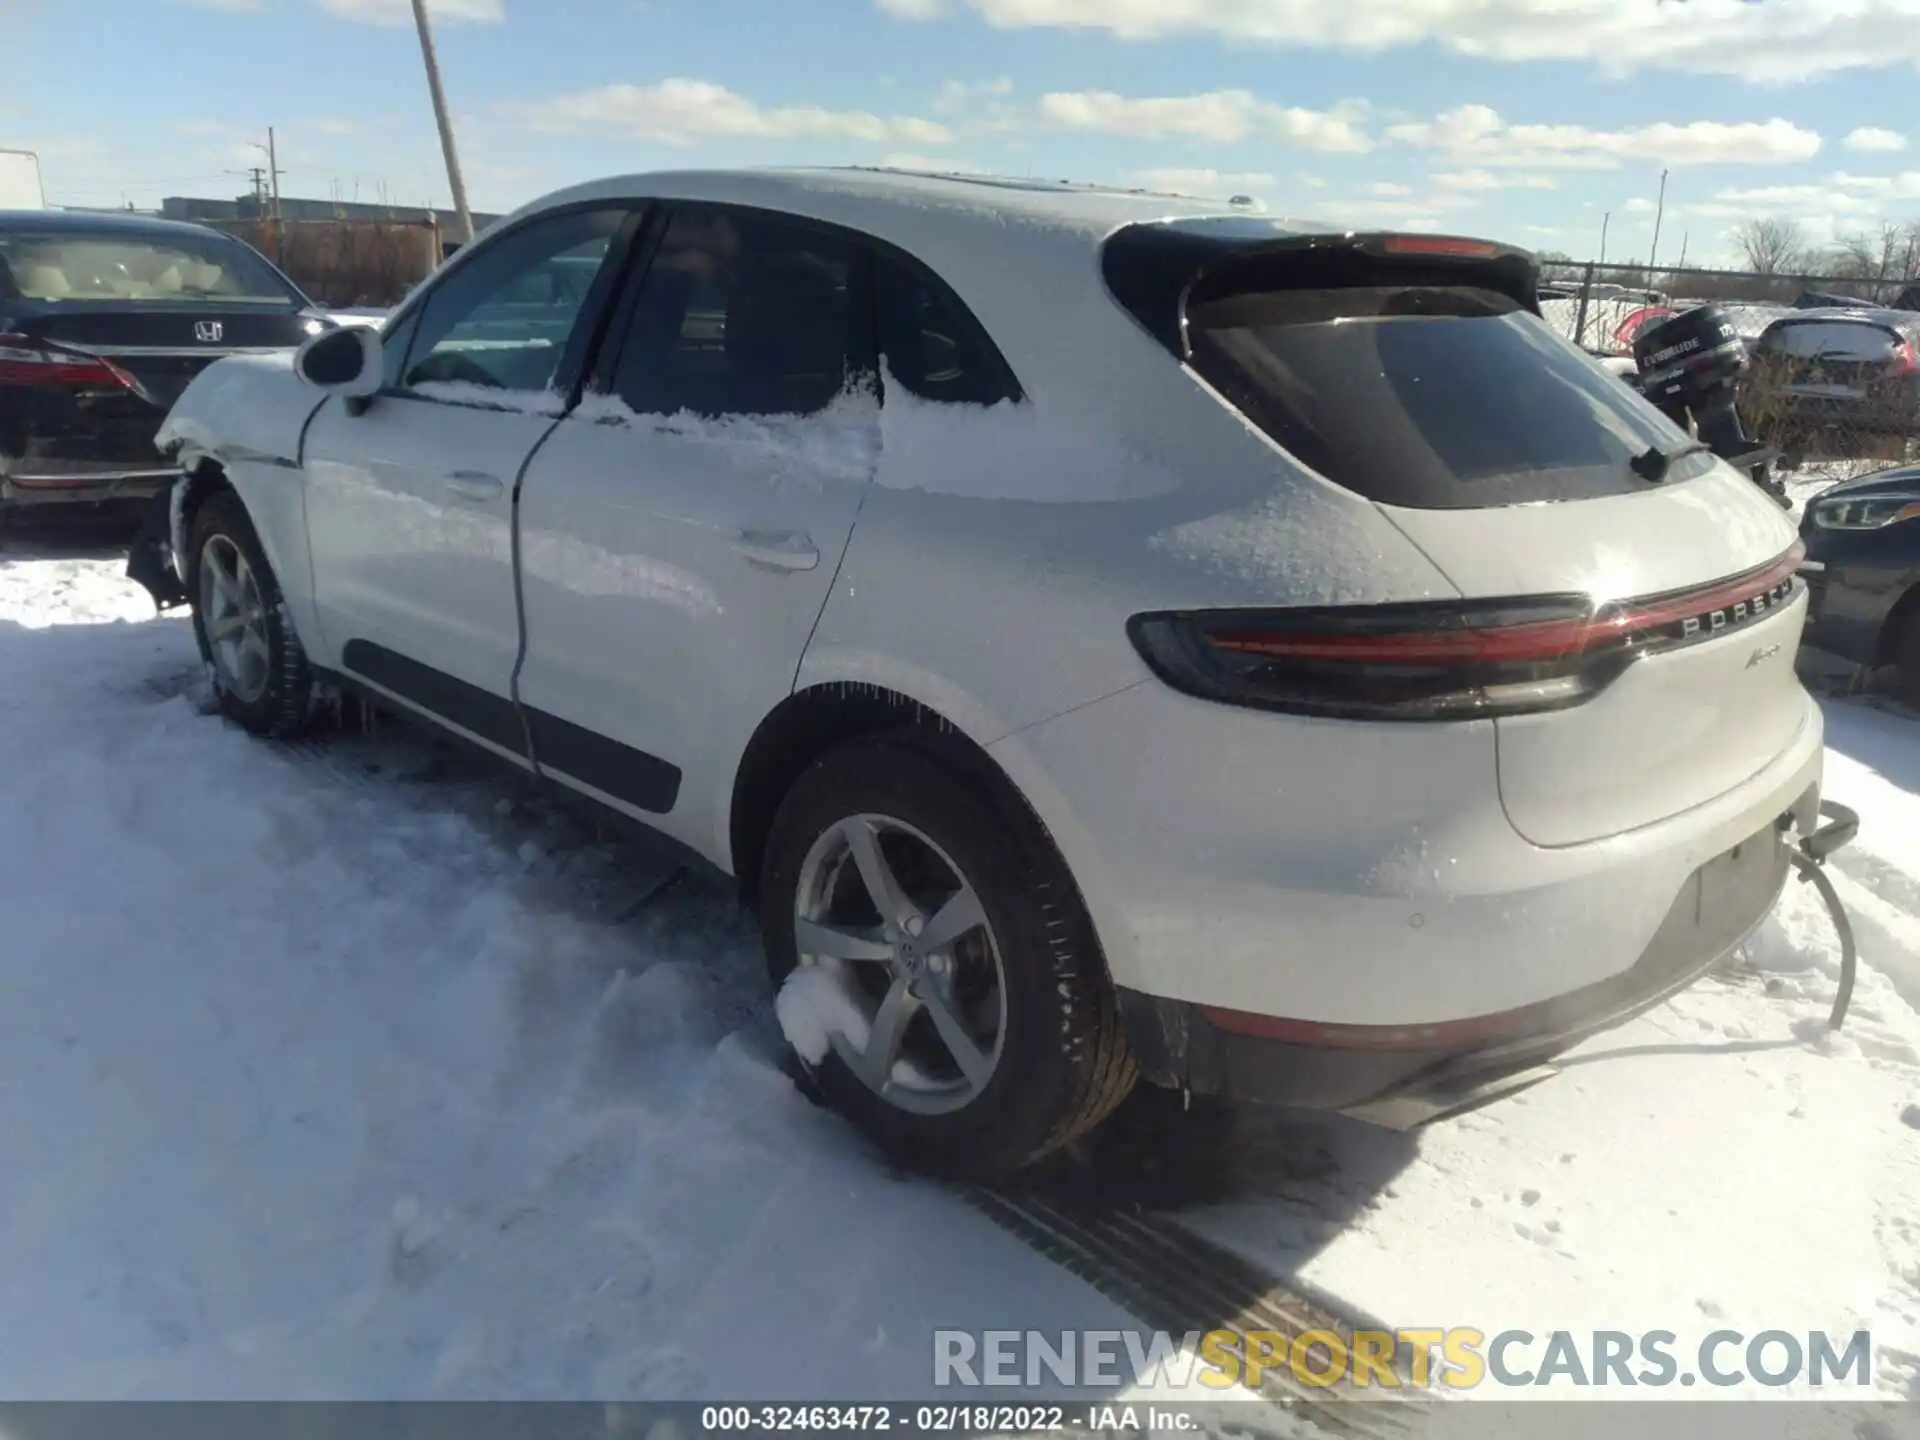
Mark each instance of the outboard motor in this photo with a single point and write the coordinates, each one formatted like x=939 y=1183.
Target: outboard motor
x=1690 y=366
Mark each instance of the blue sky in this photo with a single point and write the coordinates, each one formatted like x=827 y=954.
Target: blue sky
x=1525 y=119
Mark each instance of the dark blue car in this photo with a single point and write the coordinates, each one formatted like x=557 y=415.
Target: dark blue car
x=1863 y=554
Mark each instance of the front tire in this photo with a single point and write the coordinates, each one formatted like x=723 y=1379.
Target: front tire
x=977 y=1029
x=259 y=670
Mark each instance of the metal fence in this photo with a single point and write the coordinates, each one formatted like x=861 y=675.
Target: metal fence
x=1600 y=306
x=1808 y=405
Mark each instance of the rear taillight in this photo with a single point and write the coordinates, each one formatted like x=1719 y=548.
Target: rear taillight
x=25 y=361
x=1904 y=361
x=1444 y=660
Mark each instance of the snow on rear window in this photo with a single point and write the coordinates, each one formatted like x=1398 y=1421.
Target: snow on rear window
x=1434 y=398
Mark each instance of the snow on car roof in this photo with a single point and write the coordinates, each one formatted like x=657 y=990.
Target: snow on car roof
x=1023 y=254
x=844 y=193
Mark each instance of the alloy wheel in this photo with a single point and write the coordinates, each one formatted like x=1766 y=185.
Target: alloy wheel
x=892 y=918
x=234 y=619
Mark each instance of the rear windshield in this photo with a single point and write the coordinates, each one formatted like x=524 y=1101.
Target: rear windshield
x=1430 y=397
x=1828 y=340
x=175 y=269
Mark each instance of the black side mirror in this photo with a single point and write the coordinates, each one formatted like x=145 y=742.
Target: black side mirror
x=347 y=361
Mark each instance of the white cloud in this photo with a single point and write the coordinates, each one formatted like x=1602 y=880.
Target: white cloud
x=335 y=125
x=400 y=12
x=685 y=112
x=1870 y=139
x=1774 y=41
x=1639 y=205
x=1487 y=180
x=1219 y=116
x=1398 y=214
x=1205 y=183
x=1387 y=189
x=914 y=9
x=1904 y=186
x=938 y=164
x=1477 y=133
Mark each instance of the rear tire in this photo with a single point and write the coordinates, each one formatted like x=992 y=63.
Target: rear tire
x=1026 y=978
x=258 y=667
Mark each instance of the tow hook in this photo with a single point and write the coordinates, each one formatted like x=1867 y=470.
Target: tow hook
x=1810 y=858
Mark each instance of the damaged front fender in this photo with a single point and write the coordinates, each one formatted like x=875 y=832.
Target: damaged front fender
x=153 y=559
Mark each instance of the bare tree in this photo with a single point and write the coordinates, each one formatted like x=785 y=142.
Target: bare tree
x=1773 y=245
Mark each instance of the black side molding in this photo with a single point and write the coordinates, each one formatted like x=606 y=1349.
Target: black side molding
x=643 y=781
x=477 y=711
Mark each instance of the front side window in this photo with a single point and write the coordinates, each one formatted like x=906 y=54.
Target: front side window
x=181 y=268
x=746 y=313
x=503 y=319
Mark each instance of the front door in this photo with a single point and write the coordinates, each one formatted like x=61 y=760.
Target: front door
x=410 y=500
x=679 y=536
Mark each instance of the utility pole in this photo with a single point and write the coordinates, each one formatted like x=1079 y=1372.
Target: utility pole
x=266 y=191
x=1658 y=215
x=279 y=230
x=441 y=118
x=1605 y=220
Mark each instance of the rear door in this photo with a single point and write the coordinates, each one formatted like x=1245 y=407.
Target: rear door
x=410 y=499
x=1507 y=456
x=680 y=532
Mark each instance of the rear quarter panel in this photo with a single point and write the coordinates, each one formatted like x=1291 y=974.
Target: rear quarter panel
x=246 y=414
x=1000 y=552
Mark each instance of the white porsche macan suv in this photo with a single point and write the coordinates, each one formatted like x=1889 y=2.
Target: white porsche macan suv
x=1105 y=637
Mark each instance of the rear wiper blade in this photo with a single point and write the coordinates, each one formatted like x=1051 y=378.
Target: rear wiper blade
x=1653 y=465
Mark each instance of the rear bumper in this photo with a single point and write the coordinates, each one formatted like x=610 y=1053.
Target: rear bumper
x=1427 y=1068
x=1352 y=874
x=1890 y=415
x=76 y=484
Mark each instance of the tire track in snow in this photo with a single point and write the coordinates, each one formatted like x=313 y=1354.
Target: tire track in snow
x=1176 y=1281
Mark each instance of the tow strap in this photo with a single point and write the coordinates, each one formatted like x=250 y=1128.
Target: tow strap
x=1810 y=858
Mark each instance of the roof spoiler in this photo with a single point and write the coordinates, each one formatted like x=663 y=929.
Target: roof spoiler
x=1158 y=269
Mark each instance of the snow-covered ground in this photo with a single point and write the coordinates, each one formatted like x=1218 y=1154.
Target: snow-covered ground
x=315 y=1082
x=346 y=1071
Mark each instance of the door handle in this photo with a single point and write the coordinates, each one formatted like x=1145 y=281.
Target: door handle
x=476 y=485
x=777 y=549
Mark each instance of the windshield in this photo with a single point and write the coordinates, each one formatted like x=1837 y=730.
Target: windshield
x=1435 y=398
x=177 y=269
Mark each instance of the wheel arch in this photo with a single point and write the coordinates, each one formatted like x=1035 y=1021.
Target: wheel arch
x=820 y=718
x=201 y=476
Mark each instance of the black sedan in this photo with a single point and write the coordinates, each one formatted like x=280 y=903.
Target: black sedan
x=1863 y=567
x=103 y=321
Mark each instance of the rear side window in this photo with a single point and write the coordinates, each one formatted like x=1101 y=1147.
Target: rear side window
x=933 y=345
x=1433 y=397
x=746 y=313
